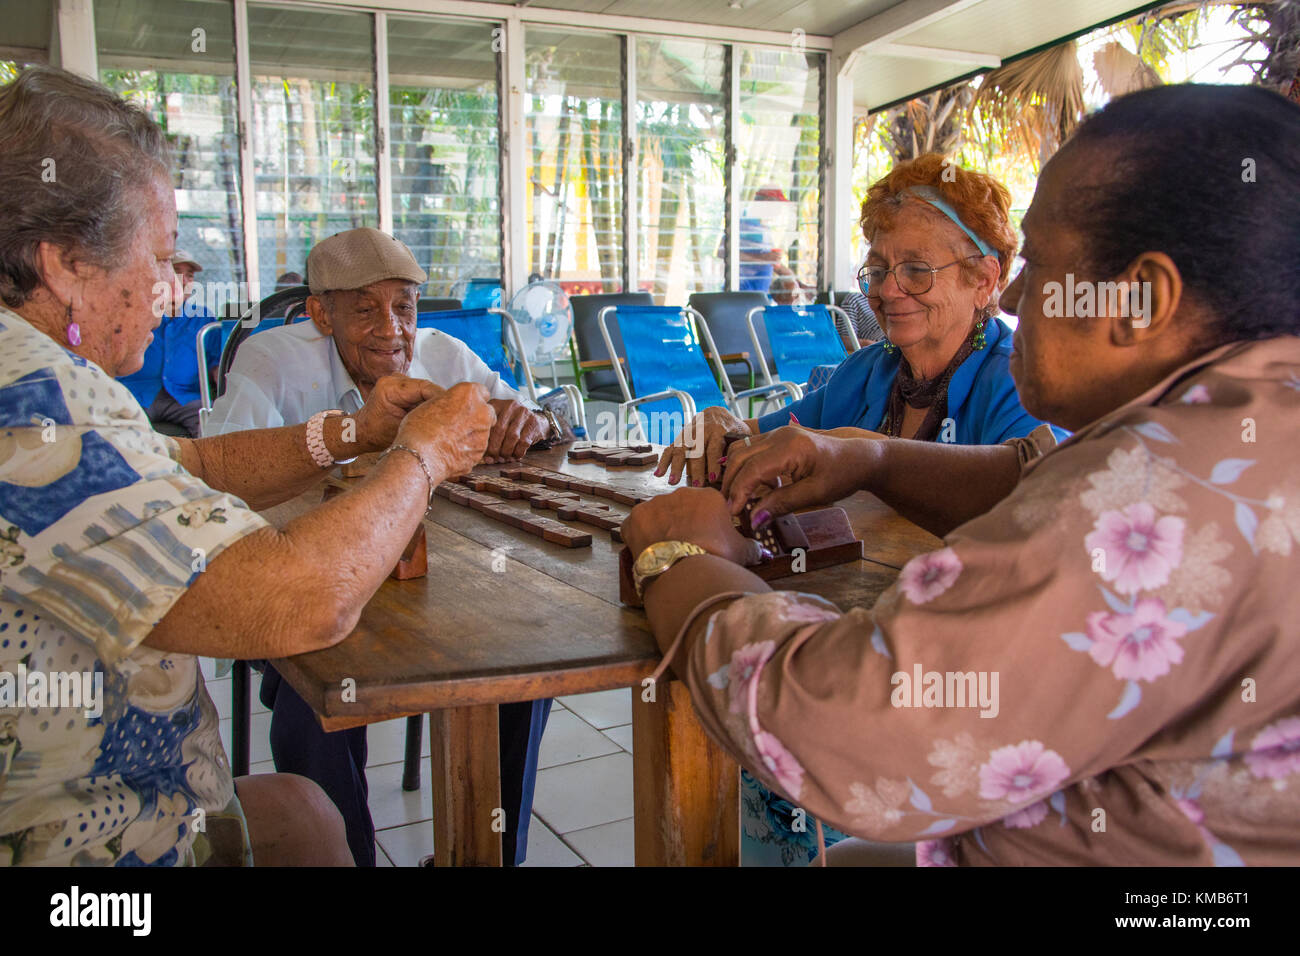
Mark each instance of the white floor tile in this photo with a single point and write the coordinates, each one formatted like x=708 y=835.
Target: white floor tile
x=381 y=858
x=569 y=738
x=406 y=845
x=604 y=708
x=611 y=844
x=585 y=794
x=386 y=743
x=390 y=805
x=546 y=849
x=620 y=735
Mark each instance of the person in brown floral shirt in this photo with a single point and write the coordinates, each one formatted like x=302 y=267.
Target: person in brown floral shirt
x=1102 y=664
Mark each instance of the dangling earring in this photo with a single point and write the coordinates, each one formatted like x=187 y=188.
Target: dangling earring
x=979 y=343
x=73 y=330
x=889 y=347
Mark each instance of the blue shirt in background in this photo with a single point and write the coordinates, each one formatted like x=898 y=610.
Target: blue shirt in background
x=982 y=399
x=171 y=361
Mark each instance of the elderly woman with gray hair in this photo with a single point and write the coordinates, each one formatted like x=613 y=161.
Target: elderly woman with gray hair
x=124 y=550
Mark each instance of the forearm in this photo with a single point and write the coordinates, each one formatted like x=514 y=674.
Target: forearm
x=265 y=466
x=670 y=597
x=937 y=485
x=278 y=593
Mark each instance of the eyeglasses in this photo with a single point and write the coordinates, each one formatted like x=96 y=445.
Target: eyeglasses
x=914 y=277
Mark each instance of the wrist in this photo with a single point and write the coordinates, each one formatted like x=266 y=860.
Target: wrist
x=868 y=459
x=343 y=439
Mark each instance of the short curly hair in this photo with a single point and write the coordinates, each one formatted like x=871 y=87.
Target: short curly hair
x=983 y=203
x=73 y=156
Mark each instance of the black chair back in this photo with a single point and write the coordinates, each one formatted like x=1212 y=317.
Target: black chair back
x=287 y=303
x=437 y=304
x=725 y=312
x=601 y=383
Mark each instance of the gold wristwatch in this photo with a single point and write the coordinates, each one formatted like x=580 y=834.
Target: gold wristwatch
x=658 y=558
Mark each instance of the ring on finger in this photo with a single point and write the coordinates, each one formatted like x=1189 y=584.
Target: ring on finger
x=778 y=481
x=747 y=441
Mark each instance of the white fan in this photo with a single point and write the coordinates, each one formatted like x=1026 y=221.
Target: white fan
x=540 y=320
x=542 y=312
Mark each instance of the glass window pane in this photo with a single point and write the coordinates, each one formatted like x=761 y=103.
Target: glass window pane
x=25 y=38
x=313 y=130
x=176 y=59
x=575 y=159
x=777 y=133
x=444 y=132
x=681 y=132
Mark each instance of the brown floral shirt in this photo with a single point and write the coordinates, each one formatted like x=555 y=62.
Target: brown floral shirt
x=1104 y=668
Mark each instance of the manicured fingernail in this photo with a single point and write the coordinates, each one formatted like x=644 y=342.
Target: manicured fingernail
x=713 y=476
x=722 y=460
x=793 y=420
x=659 y=472
x=695 y=482
x=761 y=518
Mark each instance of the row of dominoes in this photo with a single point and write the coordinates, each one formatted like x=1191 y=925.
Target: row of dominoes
x=553 y=479
x=613 y=456
x=548 y=528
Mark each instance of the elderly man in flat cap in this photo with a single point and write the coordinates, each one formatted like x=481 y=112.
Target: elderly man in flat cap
x=364 y=288
x=167 y=385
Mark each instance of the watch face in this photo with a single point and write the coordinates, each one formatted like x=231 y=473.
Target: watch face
x=655 y=558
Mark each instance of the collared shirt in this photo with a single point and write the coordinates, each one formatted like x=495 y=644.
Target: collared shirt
x=101 y=532
x=982 y=399
x=1079 y=676
x=171 y=361
x=283 y=376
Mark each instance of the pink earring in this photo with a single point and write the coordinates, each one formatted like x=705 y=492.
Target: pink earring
x=73 y=330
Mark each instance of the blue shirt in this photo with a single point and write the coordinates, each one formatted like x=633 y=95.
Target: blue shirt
x=982 y=399
x=171 y=361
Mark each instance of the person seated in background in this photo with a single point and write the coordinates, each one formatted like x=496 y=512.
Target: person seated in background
x=364 y=287
x=288 y=280
x=865 y=325
x=130 y=554
x=940 y=250
x=1120 y=600
x=167 y=385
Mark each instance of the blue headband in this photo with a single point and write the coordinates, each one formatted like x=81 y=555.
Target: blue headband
x=931 y=195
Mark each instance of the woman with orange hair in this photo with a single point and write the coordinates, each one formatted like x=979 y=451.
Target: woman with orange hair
x=941 y=250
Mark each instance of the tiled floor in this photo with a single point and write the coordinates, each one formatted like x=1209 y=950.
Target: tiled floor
x=582 y=810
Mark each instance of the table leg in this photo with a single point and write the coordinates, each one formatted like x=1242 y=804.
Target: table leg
x=687 y=789
x=465 y=763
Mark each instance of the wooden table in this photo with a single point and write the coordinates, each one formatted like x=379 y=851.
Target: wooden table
x=504 y=616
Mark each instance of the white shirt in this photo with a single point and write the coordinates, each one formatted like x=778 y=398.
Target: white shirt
x=283 y=376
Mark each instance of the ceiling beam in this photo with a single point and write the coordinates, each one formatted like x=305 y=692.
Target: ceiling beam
x=893 y=24
x=939 y=54
x=578 y=20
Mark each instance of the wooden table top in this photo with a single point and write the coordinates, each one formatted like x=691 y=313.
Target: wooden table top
x=546 y=622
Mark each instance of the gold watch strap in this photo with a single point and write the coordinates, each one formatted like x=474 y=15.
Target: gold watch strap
x=677 y=549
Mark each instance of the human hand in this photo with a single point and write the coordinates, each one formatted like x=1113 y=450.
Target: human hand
x=794 y=467
x=699 y=446
x=451 y=430
x=697 y=515
x=518 y=428
x=390 y=399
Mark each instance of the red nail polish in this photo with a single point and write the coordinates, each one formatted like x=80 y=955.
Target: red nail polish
x=761 y=518
x=722 y=460
x=713 y=476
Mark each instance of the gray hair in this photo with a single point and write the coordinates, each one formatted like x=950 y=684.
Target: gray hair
x=74 y=157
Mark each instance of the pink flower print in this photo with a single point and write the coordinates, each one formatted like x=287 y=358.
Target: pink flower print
x=1139 y=550
x=1022 y=772
x=927 y=576
x=1027 y=817
x=746 y=662
x=934 y=853
x=1275 y=751
x=1138 y=646
x=785 y=769
x=805 y=612
x=1196 y=395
